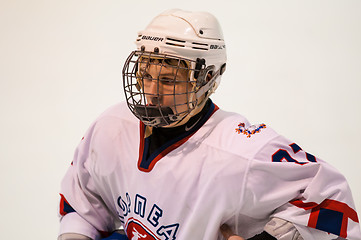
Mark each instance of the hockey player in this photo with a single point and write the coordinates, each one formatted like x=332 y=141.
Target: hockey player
x=169 y=164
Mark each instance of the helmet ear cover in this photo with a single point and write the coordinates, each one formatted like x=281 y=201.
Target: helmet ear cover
x=200 y=64
x=203 y=75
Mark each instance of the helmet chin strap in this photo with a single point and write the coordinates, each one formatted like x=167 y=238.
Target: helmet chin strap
x=188 y=116
x=182 y=121
x=150 y=115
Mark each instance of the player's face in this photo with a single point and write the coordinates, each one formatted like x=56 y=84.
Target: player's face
x=166 y=85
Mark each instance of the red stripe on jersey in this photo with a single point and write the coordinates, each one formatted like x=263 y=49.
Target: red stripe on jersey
x=63 y=202
x=332 y=205
x=66 y=208
x=134 y=224
x=306 y=206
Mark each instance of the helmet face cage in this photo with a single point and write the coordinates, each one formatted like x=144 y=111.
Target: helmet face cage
x=160 y=88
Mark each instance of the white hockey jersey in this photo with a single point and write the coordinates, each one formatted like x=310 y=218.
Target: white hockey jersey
x=223 y=170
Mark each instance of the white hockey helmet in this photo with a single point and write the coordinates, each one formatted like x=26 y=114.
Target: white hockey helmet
x=195 y=38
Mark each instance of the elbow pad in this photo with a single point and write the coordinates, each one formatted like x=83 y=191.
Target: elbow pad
x=282 y=230
x=73 y=236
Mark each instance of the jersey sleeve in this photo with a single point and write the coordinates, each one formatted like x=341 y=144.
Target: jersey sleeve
x=286 y=182
x=82 y=209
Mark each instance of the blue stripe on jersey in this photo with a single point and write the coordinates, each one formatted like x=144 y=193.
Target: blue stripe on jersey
x=329 y=221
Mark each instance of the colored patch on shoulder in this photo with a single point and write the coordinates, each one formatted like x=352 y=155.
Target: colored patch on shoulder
x=251 y=130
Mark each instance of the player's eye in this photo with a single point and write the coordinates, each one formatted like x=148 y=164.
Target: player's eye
x=166 y=80
x=147 y=76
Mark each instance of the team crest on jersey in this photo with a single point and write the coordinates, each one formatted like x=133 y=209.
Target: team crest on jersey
x=251 y=130
x=136 y=231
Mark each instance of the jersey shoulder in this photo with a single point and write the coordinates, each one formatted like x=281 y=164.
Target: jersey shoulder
x=259 y=142
x=116 y=117
x=119 y=110
x=114 y=122
x=233 y=133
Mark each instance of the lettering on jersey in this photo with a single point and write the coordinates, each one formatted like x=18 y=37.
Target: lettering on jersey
x=152 y=38
x=144 y=221
x=168 y=232
x=283 y=154
x=139 y=205
x=253 y=129
x=154 y=215
x=124 y=206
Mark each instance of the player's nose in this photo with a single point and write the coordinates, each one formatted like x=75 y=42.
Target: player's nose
x=153 y=94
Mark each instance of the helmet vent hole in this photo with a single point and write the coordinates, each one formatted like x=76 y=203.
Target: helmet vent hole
x=200 y=46
x=200 y=31
x=175 y=42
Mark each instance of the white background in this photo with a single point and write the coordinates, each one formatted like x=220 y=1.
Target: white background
x=294 y=65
